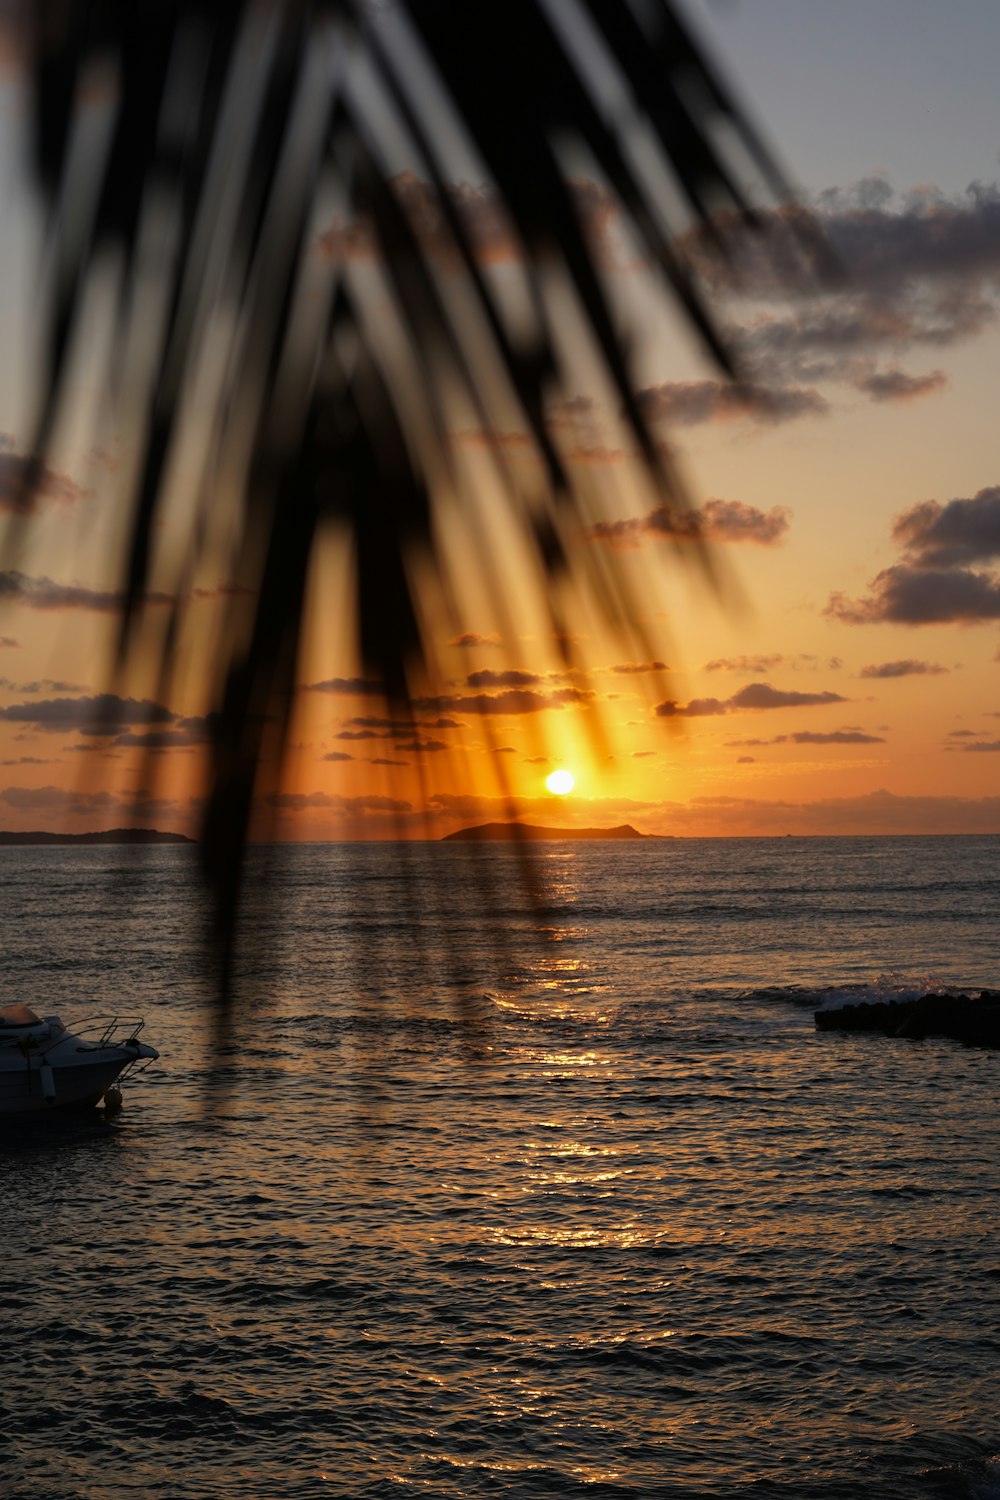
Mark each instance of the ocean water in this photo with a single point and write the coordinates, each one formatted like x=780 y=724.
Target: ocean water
x=509 y=1182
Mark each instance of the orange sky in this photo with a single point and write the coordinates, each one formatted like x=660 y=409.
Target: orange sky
x=844 y=679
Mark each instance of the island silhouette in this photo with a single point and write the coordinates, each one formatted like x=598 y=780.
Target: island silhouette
x=107 y=836
x=499 y=831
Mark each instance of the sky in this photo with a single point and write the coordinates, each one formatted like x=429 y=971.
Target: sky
x=843 y=676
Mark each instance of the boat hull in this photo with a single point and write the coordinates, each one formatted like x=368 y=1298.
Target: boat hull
x=79 y=1085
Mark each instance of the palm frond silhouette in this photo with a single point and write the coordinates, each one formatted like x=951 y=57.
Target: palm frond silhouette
x=303 y=293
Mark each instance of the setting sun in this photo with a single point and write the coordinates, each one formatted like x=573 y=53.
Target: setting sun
x=560 y=782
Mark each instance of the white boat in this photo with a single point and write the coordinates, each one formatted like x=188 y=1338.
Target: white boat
x=45 y=1066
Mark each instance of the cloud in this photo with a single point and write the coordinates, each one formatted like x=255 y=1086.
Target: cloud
x=296 y=802
x=42 y=593
x=50 y=685
x=698 y=708
x=952 y=535
x=716 y=521
x=987 y=745
x=934 y=583
x=922 y=596
x=337 y=755
x=17 y=473
x=510 y=701
x=763 y=695
x=756 y=695
x=9 y=641
x=835 y=737
x=690 y=403
x=509 y=678
x=630 y=668
x=423 y=747
x=58 y=800
x=921 y=271
x=896 y=385
x=744 y=663
x=470 y=638
x=103 y=714
x=746 y=760
x=380 y=760
x=813 y=737
x=908 y=668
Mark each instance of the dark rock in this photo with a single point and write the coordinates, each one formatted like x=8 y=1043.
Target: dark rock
x=962 y=1018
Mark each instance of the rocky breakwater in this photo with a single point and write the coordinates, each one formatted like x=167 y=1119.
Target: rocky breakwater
x=973 y=1019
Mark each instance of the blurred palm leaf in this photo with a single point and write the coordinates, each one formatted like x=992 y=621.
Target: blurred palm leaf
x=277 y=182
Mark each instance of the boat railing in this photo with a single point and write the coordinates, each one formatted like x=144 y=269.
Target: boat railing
x=106 y=1031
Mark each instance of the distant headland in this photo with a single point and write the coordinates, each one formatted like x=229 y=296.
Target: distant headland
x=108 y=836
x=508 y=831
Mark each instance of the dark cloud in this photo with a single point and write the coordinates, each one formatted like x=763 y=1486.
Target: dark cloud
x=470 y=638
x=509 y=678
x=16 y=471
x=28 y=760
x=337 y=755
x=922 y=596
x=952 y=535
x=103 y=714
x=746 y=760
x=689 y=403
x=380 y=760
x=836 y=737
x=908 y=668
x=422 y=747
x=896 y=385
x=934 y=584
x=510 y=701
x=988 y=745
x=698 y=708
x=716 y=521
x=922 y=271
x=744 y=663
x=59 y=800
x=630 y=668
x=8 y=641
x=360 y=734
x=50 y=685
x=756 y=695
x=42 y=593
x=813 y=737
x=763 y=695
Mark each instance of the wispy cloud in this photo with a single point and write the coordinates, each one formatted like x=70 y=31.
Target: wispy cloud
x=755 y=696
x=922 y=273
x=20 y=477
x=715 y=521
x=896 y=385
x=470 y=638
x=907 y=668
x=690 y=403
x=43 y=593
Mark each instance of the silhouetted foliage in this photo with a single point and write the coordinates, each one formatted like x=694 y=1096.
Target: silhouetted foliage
x=208 y=146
